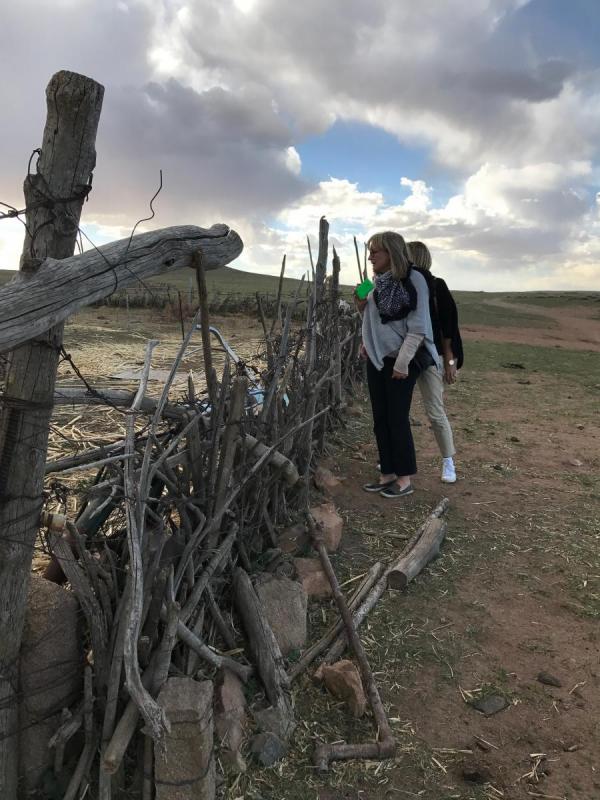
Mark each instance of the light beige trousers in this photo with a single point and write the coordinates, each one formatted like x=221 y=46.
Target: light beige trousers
x=431 y=384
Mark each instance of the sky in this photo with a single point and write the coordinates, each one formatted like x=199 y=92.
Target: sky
x=471 y=125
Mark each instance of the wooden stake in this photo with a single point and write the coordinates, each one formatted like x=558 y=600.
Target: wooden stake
x=54 y=196
x=385 y=746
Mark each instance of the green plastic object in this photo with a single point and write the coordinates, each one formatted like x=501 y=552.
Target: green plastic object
x=363 y=289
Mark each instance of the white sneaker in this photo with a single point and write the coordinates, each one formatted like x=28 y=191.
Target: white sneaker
x=448 y=471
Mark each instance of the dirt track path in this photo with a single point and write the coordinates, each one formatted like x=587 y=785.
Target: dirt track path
x=572 y=329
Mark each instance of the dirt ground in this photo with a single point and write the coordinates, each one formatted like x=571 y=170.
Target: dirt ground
x=573 y=328
x=516 y=591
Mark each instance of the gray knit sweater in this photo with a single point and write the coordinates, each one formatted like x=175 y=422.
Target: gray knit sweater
x=385 y=340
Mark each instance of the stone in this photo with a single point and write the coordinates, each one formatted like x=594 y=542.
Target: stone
x=325 y=480
x=294 y=539
x=267 y=749
x=575 y=462
x=230 y=719
x=330 y=524
x=474 y=773
x=51 y=672
x=548 y=679
x=312 y=577
x=186 y=771
x=284 y=602
x=342 y=679
x=273 y=720
x=491 y=704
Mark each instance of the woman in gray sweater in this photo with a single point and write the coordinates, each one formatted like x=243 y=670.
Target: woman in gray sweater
x=398 y=343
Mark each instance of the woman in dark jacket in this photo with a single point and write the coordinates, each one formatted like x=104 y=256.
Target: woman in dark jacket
x=444 y=320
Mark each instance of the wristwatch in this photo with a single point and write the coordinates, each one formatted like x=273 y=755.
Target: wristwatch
x=451 y=362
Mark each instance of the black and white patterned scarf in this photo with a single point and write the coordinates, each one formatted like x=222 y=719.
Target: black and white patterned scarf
x=394 y=299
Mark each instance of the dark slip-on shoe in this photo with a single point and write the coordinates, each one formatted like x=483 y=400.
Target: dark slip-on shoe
x=393 y=490
x=377 y=487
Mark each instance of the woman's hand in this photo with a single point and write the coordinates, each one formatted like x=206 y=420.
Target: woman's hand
x=399 y=376
x=359 y=304
x=449 y=371
x=362 y=352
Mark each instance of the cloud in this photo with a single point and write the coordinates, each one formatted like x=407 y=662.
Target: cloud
x=223 y=155
x=220 y=95
x=507 y=225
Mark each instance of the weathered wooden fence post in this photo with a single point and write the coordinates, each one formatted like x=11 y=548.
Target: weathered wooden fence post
x=321 y=268
x=54 y=196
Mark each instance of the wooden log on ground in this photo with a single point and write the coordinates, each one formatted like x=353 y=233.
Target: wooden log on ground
x=340 y=644
x=426 y=548
x=331 y=635
x=30 y=305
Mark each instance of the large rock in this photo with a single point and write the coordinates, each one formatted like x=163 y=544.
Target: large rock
x=294 y=539
x=312 y=577
x=325 y=480
x=284 y=602
x=330 y=524
x=230 y=718
x=343 y=680
x=51 y=672
x=187 y=769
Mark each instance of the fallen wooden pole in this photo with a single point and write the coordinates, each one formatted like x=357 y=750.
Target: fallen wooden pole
x=385 y=747
x=426 y=548
x=340 y=644
x=331 y=635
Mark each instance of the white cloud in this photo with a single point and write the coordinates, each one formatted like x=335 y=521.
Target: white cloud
x=489 y=236
x=293 y=161
x=337 y=199
x=219 y=94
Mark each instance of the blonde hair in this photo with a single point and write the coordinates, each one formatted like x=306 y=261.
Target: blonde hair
x=396 y=248
x=420 y=255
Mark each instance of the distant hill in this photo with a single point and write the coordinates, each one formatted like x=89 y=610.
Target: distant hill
x=225 y=280
x=228 y=280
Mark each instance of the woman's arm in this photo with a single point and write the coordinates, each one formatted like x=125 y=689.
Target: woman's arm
x=416 y=326
x=410 y=345
x=447 y=316
x=449 y=361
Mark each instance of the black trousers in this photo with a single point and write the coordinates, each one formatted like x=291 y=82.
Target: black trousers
x=390 y=402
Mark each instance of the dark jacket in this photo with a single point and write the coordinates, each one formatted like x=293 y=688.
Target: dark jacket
x=444 y=316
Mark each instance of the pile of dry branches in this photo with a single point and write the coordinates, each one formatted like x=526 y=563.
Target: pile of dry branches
x=197 y=488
